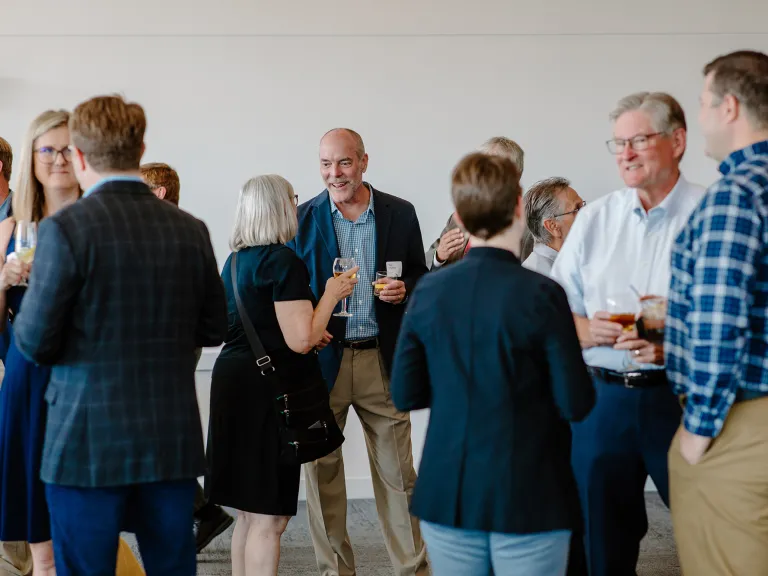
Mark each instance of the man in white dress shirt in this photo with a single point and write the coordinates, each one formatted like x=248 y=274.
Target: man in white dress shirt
x=620 y=241
x=551 y=207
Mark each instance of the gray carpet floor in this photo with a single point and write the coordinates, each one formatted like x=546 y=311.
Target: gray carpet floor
x=657 y=557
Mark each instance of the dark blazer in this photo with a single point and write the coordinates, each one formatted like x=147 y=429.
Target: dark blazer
x=503 y=375
x=123 y=288
x=398 y=239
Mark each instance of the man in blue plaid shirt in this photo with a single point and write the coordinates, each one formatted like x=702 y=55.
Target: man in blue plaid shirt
x=716 y=344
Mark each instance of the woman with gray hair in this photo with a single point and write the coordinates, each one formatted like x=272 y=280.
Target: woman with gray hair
x=245 y=470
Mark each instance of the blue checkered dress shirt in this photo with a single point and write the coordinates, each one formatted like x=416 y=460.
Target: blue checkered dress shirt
x=717 y=320
x=358 y=240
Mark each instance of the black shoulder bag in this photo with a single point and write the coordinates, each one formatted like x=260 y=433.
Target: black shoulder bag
x=308 y=429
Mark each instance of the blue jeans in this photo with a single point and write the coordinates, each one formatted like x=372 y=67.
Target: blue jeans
x=86 y=525
x=461 y=552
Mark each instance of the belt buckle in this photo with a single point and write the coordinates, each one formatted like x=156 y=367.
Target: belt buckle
x=628 y=380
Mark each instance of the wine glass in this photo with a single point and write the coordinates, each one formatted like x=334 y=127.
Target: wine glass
x=341 y=265
x=26 y=242
x=623 y=309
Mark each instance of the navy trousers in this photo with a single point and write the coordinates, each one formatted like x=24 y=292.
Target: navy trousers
x=86 y=525
x=625 y=438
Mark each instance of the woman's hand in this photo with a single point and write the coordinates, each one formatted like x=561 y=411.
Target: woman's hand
x=12 y=273
x=341 y=287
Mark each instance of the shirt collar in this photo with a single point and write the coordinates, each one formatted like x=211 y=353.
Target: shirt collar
x=103 y=181
x=740 y=156
x=335 y=209
x=545 y=251
x=666 y=206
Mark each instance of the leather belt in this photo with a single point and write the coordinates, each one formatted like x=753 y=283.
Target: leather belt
x=366 y=344
x=638 y=379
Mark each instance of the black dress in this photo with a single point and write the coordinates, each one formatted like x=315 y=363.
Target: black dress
x=244 y=471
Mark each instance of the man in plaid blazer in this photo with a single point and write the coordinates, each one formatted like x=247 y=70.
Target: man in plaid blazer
x=123 y=288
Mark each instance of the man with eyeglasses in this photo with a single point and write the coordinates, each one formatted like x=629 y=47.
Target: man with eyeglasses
x=617 y=251
x=551 y=207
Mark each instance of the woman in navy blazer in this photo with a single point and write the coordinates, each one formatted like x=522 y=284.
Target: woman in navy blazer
x=503 y=375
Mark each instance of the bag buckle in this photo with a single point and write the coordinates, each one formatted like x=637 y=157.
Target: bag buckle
x=263 y=361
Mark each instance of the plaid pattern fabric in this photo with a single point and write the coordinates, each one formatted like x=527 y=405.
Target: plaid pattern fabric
x=717 y=323
x=123 y=288
x=358 y=240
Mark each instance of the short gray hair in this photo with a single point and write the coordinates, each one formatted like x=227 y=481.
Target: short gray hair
x=265 y=213
x=542 y=203
x=665 y=112
x=503 y=146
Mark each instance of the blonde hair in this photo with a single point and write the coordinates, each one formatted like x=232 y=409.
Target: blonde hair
x=503 y=146
x=265 y=213
x=157 y=174
x=110 y=133
x=28 y=199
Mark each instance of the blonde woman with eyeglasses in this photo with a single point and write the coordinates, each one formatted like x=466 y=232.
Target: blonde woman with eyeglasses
x=46 y=184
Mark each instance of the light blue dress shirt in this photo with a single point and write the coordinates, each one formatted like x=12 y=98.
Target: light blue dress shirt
x=358 y=240
x=613 y=243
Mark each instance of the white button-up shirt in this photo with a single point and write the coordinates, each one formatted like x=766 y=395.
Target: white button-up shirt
x=541 y=260
x=614 y=243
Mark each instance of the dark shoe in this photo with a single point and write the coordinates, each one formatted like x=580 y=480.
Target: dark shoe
x=206 y=530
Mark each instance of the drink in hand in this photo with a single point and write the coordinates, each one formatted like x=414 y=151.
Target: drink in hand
x=379 y=285
x=627 y=321
x=26 y=255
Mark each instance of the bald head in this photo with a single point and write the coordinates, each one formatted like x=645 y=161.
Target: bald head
x=345 y=135
x=343 y=162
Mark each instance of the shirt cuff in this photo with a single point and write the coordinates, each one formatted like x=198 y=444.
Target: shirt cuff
x=435 y=262
x=701 y=421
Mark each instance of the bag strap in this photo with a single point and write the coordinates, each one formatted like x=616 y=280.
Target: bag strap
x=263 y=360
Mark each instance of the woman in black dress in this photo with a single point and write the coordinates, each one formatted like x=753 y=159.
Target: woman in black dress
x=244 y=469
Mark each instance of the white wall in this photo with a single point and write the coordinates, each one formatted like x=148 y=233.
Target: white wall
x=244 y=87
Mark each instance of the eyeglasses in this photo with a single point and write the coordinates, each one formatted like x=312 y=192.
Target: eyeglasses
x=639 y=142
x=579 y=206
x=48 y=155
x=295 y=199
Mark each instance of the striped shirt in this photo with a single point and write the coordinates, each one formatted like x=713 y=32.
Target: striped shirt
x=358 y=240
x=717 y=319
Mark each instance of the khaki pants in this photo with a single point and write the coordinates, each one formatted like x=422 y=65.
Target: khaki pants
x=720 y=505
x=362 y=383
x=15 y=559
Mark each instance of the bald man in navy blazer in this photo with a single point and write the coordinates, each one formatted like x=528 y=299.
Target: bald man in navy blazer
x=350 y=218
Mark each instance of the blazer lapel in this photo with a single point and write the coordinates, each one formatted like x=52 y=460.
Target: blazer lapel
x=383 y=215
x=321 y=212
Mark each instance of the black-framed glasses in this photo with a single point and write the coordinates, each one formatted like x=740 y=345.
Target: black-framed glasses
x=295 y=199
x=579 y=206
x=639 y=142
x=48 y=154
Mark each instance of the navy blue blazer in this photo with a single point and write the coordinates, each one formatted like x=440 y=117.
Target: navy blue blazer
x=503 y=374
x=398 y=239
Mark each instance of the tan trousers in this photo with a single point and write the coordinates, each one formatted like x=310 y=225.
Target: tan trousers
x=720 y=505
x=15 y=559
x=362 y=383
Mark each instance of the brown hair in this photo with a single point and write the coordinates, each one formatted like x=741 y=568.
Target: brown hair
x=110 y=133
x=157 y=174
x=744 y=75
x=6 y=157
x=485 y=191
